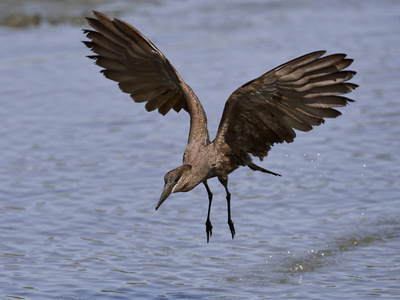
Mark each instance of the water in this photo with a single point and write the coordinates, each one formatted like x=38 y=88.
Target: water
x=82 y=166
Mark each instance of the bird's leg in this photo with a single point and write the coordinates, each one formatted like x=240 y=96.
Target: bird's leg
x=230 y=223
x=224 y=182
x=208 y=222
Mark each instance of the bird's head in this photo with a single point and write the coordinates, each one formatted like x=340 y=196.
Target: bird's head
x=175 y=181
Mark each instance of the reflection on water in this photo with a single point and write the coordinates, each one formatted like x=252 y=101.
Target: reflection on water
x=82 y=166
x=293 y=268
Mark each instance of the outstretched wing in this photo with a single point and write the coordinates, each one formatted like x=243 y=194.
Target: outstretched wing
x=296 y=95
x=140 y=69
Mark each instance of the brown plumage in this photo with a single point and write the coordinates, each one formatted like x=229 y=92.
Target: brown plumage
x=296 y=95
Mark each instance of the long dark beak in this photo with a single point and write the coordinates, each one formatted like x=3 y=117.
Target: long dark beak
x=164 y=195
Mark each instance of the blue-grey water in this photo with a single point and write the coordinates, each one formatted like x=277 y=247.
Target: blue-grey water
x=82 y=165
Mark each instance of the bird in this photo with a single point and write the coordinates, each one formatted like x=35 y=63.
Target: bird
x=265 y=111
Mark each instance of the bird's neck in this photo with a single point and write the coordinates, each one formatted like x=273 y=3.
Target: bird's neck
x=198 y=134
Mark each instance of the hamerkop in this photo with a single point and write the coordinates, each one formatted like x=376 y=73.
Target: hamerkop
x=298 y=95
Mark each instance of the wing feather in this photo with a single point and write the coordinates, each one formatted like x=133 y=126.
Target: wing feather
x=296 y=95
x=133 y=61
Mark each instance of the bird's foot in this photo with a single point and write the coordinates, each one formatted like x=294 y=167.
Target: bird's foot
x=232 y=228
x=208 y=229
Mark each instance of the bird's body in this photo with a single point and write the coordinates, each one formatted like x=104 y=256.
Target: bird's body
x=296 y=95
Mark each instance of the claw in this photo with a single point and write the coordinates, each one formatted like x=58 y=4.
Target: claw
x=208 y=230
x=232 y=228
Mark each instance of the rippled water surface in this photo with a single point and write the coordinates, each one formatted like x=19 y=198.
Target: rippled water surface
x=82 y=166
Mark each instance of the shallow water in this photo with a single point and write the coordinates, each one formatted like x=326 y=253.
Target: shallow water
x=82 y=166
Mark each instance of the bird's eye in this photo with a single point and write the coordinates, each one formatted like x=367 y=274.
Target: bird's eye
x=176 y=180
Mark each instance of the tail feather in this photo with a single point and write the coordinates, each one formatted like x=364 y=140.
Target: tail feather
x=258 y=168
